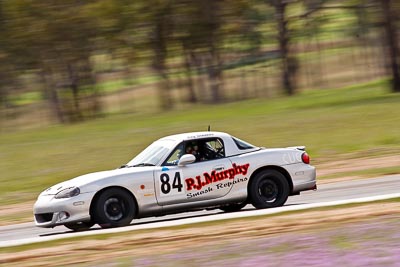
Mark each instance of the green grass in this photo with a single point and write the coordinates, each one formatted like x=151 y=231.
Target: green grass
x=330 y=123
x=107 y=87
x=117 y=85
x=26 y=98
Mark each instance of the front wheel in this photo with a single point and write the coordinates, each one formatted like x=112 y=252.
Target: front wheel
x=114 y=208
x=268 y=189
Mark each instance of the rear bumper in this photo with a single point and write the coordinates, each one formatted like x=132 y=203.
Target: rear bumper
x=303 y=177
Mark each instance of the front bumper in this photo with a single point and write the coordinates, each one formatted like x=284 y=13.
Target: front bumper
x=50 y=212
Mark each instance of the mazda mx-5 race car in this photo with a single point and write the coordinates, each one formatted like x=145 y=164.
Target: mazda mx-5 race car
x=178 y=173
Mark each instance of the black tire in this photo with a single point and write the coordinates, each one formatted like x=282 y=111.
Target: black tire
x=268 y=189
x=233 y=207
x=114 y=208
x=79 y=226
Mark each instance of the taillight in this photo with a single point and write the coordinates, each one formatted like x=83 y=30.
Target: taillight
x=305 y=158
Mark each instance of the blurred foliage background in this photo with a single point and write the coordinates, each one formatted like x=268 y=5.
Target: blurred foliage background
x=84 y=85
x=67 y=61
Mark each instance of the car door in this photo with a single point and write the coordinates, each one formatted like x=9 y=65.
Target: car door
x=206 y=178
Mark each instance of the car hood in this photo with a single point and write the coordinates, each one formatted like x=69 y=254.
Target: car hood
x=92 y=177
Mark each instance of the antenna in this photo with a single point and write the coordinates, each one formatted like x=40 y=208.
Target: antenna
x=209 y=127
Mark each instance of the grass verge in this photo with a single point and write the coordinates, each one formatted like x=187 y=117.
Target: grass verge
x=359 y=119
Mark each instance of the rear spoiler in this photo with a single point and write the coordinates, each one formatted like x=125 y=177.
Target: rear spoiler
x=301 y=148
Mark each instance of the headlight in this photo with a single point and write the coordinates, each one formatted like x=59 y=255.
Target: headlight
x=68 y=192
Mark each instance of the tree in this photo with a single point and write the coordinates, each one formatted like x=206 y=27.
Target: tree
x=200 y=36
x=392 y=42
x=288 y=61
x=7 y=65
x=55 y=38
x=205 y=27
x=389 y=12
x=160 y=38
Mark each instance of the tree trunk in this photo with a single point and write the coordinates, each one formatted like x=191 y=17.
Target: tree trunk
x=243 y=93
x=93 y=104
x=211 y=9
x=392 y=43
x=52 y=96
x=160 y=55
x=215 y=75
x=201 y=78
x=164 y=91
x=288 y=63
x=73 y=83
x=188 y=65
x=4 y=87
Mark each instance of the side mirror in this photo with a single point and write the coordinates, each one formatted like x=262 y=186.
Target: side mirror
x=186 y=159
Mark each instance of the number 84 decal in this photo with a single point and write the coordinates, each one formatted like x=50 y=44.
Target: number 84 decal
x=167 y=186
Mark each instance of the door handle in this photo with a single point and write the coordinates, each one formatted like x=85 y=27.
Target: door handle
x=218 y=168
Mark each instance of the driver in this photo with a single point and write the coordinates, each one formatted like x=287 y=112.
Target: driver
x=193 y=148
x=189 y=149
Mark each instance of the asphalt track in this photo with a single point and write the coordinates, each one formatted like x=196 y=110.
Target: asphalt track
x=329 y=194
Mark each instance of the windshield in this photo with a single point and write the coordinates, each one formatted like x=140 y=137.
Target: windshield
x=153 y=153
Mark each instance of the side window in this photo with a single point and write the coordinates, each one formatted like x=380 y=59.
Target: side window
x=242 y=144
x=202 y=149
x=173 y=159
x=206 y=149
x=215 y=148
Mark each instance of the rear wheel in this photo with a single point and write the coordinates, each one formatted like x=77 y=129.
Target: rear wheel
x=114 y=208
x=79 y=226
x=233 y=207
x=268 y=189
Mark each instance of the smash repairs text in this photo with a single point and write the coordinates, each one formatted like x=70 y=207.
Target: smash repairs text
x=215 y=177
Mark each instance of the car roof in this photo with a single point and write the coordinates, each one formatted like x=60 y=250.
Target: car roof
x=231 y=148
x=196 y=135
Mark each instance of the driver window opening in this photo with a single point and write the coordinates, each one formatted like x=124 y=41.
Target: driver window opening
x=203 y=150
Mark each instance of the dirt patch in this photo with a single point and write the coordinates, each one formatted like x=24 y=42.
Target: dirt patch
x=174 y=239
x=16 y=208
x=359 y=164
x=16 y=213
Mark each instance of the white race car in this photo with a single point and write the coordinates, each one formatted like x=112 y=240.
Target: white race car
x=178 y=173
